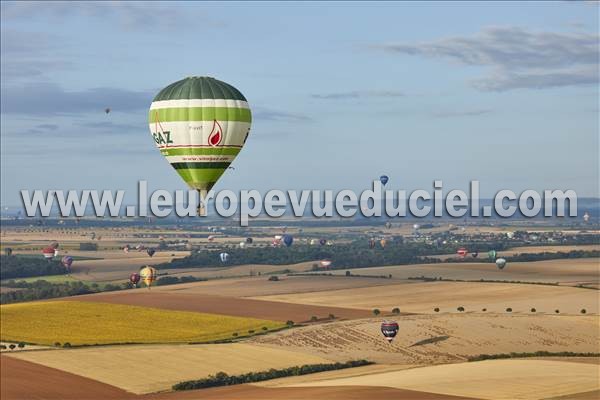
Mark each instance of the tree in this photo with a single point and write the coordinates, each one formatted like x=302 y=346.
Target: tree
x=67 y=344
x=57 y=344
x=21 y=345
x=509 y=309
x=235 y=334
x=461 y=309
x=2 y=347
x=251 y=331
x=273 y=278
x=533 y=310
x=557 y=311
x=314 y=318
x=437 y=309
x=376 y=312
x=331 y=316
x=348 y=273
x=396 y=310
x=11 y=346
x=484 y=309
x=264 y=328
x=583 y=311
x=289 y=322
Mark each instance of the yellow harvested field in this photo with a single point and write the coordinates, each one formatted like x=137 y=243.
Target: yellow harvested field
x=423 y=297
x=151 y=368
x=80 y=323
x=441 y=338
x=510 y=379
x=565 y=271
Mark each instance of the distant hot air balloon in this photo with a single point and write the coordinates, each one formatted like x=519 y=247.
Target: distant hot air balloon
x=371 y=243
x=211 y=238
x=200 y=119
x=586 y=217
x=384 y=179
x=325 y=263
x=249 y=240
x=475 y=254
x=416 y=227
x=107 y=110
x=288 y=240
x=388 y=225
x=67 y=261
x=462 y=252
x=134 y=279
x=8 y=251
x=492 y=255
x=224 y=257
x=382 y=243
x=242 y=245
x=126 y=248
x=148 y=275
x=322 y=242
x=500 y=263
x=389 y=329
x=150 y=251
x=48 y=253
x=54 y=245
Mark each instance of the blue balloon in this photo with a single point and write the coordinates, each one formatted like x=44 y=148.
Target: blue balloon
x=287 y=240
x=384 y=179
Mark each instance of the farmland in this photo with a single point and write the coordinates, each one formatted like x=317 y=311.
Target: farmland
x=87 y=323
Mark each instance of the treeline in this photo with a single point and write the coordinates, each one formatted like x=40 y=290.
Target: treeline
x=482 y=357
x=25 y=267
x=529 y=257
x=223 y=379
x=41 y=289
x=441 y=279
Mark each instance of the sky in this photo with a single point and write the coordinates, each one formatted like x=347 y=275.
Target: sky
x=504 y=93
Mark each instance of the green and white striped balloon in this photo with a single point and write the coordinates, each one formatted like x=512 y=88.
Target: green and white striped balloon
x=200 y=125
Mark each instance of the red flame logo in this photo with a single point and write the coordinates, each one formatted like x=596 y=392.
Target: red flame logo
x=216 y=134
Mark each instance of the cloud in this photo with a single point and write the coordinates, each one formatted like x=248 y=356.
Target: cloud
x=518 y=58
x=50 y=127
x=274 y=115
x=504 y=80
x=50 y=99
x=466 y=113
x=358 y=94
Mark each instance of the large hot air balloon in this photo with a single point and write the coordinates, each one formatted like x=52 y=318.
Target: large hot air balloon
x=148 y=275
x=288 y=240
x=67 y=261
x=500 y=263
x=389 y=329
x=134 y=279
x=200 y=124
x=48 y=253
x=384 y=179
x=492 y=255
x=150 y=251
x=224 y=257
x=462 y=252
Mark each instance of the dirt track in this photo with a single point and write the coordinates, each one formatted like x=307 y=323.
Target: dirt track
x=271 y=310
x=24 y=380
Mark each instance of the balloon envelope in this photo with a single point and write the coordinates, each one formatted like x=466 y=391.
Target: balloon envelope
x=288 y=240
x=224 y=257
x=67 y=261
x=384 y=179
x=462 y=252
x=150 y=252
x=134 y=278
x=199 y=124
x=148 y=275
x=389 y=329
x=501 y=263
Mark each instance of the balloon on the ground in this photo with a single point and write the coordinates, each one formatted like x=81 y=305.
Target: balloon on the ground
x=67 y=261
x=501 y=263
x=462 y=252
x=325 y=263
x=224 y=257
x=200 y=124
x=389 y=329
x=148 y=275
x=48 y=253
x=134 y=278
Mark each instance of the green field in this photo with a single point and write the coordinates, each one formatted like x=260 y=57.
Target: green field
x=84 y=323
